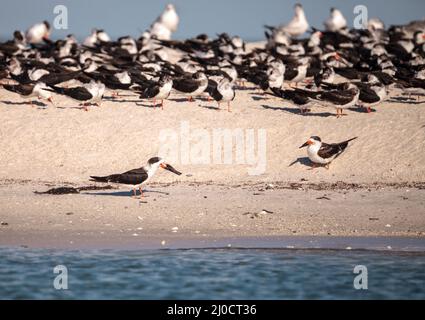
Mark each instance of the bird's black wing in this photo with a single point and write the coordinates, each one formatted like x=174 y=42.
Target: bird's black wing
x=368 y=95
x=23 y=89
x=333 y=149
x=56 y=78
x=150 y=92
x=135 y=176
x=290 y=73
x=77 y=93
x=337 y=97
x=329 y=150
x=185 y=85
x=212 y=86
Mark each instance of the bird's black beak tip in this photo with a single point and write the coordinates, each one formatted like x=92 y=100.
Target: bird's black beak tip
x=304 y=145
x=171 y=168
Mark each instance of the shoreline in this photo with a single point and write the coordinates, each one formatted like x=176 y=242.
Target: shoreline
x=259 y=215
x=388 y=244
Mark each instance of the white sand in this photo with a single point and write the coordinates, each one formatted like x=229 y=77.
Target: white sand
x=64 y=144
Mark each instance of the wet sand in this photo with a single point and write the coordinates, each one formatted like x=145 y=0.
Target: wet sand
x=208 y=215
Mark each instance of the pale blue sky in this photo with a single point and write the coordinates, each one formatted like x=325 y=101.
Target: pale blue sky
x=242 y=17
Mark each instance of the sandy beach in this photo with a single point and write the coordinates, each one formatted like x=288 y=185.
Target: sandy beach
x=376 y=188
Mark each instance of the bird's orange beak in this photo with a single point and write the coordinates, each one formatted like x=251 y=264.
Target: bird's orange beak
x=307 y=143
x=168 y=167
x=337 y=56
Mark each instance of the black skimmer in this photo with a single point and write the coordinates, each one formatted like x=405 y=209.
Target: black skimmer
x=336 y=21
x=86 y=94
x=326 y=75
x=221 y=91
x=321 y=153
x=38 y=32
x=39 y=90
x=298 y=73
x=344 y=97
x=14 y=47
x=157 y=90
x=193 y=85
x=372 y=93
x=303 y=99
x=137 y=177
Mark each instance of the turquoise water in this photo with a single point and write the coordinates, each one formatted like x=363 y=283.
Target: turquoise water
x=211 y=274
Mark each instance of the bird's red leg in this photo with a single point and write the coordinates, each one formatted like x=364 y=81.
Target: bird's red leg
x=190 y=99
x=134 y=193
x=162 y=104
x=154 y=102
x=141 y=193
x=218 y=106
x=228 y=107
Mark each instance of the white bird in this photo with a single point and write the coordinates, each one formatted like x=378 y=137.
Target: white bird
x=169 y=18
x=298 y=25
x=38 y=32
x=160 y=31
x=95 y=37
x=336 y=21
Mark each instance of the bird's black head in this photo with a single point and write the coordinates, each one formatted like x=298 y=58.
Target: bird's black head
x=198 y=75
x=153 y=160
x=18 y=35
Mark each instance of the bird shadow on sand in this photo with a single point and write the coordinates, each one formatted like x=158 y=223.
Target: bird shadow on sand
x=405 y=100
x=24 y=103
x=298 y=112
x=121 y=100
x=362 y=110
x=73 y=107
x=211 y=107
x=148 y=105
x=179 y=100
x=259 y=98
x=123 y=193
x=301 y=160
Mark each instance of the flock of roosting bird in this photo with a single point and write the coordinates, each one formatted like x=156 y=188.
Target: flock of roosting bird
x=337 y=67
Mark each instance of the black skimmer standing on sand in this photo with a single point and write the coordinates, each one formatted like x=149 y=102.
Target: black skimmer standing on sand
x=321 y=153
x=39 y=90
x=297 y=74
x=372 y=93
x=137 y=177
x=158 y=90
x=304 y=99
x=86 y=94
x=38 y=32
x=342 y=98
x=193 y=85
x=221 y=91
